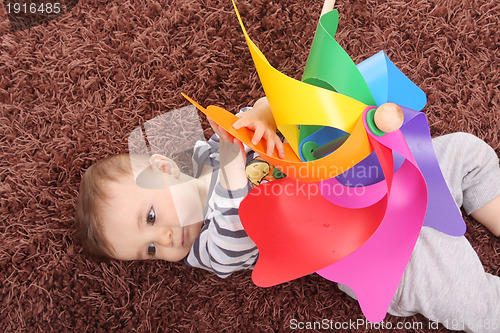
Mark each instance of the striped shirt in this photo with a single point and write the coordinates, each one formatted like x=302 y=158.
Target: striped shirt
x=222 y=247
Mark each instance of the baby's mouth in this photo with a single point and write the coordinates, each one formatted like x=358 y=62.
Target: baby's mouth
x=182 y=238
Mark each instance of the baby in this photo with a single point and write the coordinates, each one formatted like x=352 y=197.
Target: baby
x=117 y=218
x=170 y=216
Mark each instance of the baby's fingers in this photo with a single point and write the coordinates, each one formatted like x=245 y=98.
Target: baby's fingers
x=221 y=132
x=258 y=127
x=274 y=142
x=258 y=134
x=262 y=131
x=280 y=148
x=270 y=147
x=243 y=122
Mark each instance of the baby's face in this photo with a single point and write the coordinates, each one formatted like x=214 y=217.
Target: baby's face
x=142 y=223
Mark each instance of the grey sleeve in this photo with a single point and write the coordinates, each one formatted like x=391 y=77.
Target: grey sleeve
x=470 y=168
x=445 y=280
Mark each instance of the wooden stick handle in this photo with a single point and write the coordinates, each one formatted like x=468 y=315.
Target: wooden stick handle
x=327 y=6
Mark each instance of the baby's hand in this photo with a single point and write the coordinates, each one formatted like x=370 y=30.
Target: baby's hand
x=260 y=120
x=224 y=136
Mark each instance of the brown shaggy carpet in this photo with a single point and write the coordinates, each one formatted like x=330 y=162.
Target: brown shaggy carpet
x=73 y=89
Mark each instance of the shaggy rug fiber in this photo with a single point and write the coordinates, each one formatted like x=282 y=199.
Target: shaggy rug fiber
x=72 y=90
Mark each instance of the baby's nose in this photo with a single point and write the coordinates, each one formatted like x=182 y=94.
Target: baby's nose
x=166 y=237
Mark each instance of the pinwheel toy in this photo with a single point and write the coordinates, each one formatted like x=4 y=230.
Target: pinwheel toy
x=330 y=215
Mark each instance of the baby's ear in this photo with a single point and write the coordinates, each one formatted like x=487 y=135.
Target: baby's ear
x=164 y=164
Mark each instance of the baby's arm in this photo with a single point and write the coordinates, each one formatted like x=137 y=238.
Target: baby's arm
x=232 y=156
x=232 y=160
x=489 y=216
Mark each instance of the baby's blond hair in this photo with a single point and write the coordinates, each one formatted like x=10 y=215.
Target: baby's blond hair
x=93 y=194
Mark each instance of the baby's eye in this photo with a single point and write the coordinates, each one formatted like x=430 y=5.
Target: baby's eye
x=151 y=218
x=151 y=249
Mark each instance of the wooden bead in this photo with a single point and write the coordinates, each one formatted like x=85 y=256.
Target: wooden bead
x=389 y=117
